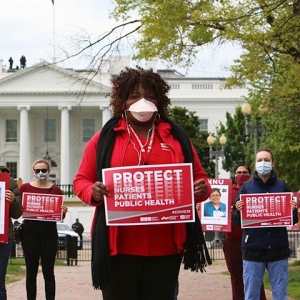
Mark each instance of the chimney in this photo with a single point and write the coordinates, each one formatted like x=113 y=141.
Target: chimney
x=152 y=64
x=117 y=64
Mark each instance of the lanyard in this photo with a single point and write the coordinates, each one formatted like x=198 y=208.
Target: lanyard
x=139 y=141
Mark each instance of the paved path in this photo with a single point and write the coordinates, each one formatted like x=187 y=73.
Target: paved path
x=74 y=283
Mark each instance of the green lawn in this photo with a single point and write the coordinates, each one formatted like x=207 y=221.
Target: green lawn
x=294 y=279
x=16 y=269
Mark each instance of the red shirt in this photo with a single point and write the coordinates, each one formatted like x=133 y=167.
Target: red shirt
x=236 y=232
x=145 y=240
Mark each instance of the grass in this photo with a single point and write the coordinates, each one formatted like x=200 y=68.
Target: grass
x=294 y=279
x=16 y=269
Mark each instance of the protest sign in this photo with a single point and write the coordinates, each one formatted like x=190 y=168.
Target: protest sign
x=42 y=207
x=4 y=208
x=215 y=212
x=149 y=194
x=267 y=209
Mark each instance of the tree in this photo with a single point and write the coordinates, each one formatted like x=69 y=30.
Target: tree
x=191 y=123
x=173 y=30
x=269 y=33
x=267 y=30
x=235 y=147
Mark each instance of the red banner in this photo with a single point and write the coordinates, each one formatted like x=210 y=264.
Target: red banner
x=265 y=210
x=4 y=208
x=42 y=207
x=217 y=216
x=149 y=194
x=296 y=197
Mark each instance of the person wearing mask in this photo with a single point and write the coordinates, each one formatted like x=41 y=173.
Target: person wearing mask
x=232 y=246
x=12 y=196
x=39 y=238
x=140 y=262
x=264 y=247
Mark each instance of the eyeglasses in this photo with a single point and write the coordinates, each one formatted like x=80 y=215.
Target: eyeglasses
x=242 y=172
x=37 y=171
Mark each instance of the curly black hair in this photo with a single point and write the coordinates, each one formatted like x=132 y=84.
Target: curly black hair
x=128 y=81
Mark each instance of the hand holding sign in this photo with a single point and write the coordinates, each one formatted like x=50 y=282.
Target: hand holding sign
x=99 y=191
x=200 y=188
x=239 y=205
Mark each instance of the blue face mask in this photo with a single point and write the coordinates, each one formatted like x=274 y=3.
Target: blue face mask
x=263 y=167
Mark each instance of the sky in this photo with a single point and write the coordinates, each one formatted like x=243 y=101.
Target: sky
x=40 y=31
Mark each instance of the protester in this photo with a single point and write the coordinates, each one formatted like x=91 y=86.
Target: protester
x=139 y=262
x=78 y=228
x=232 y=245
x=39 y=238
x=214 y=207
x=15 y=211
x=264 y=247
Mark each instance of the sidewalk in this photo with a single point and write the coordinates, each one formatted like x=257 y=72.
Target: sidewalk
x=74 y=282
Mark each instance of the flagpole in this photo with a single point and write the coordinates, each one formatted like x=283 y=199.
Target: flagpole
x=54 y=54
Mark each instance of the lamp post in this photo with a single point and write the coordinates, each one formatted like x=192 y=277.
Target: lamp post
x=256 y=127
x=51 y=162
x=211 y=140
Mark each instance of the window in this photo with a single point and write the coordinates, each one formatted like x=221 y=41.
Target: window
x=50 y=130
x=13 y=169
x=11 y=131
x=202 y=86
x=204 y=125
x=88 y=129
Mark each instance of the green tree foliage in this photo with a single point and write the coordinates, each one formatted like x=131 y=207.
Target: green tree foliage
x=191 y=123
x=269 y=33
x=235 y=147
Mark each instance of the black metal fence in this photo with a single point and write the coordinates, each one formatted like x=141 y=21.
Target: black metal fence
x=215 y=247
x=67 y=190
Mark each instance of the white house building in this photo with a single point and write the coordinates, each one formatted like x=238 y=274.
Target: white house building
x=46 y=109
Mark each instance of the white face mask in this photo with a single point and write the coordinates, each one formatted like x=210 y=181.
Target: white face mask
x=142 y=110
x=41 y=176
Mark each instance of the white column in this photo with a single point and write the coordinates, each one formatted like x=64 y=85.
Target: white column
x=65 y=146
x=106 y=115
x=25 y=169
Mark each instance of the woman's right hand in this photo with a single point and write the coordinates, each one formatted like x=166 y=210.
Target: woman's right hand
x=99 y=191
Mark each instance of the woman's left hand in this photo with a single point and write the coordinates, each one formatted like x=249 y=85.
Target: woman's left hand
x=200 y=188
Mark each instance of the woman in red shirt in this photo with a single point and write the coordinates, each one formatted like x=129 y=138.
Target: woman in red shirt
x=140 y=262
x=39 y=238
